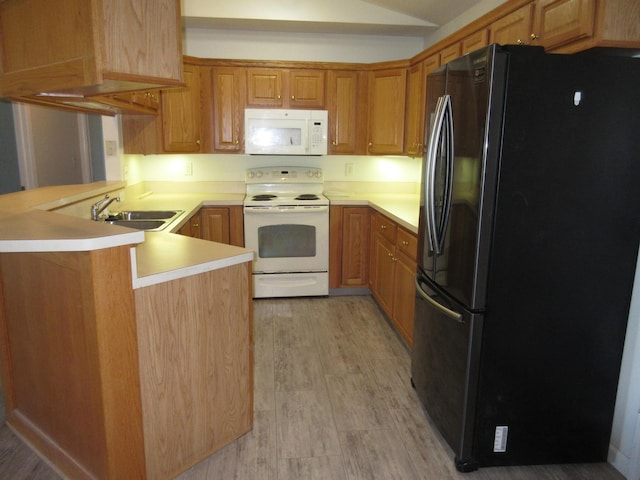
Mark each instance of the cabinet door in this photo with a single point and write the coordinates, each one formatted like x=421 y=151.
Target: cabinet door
x=514 y=28
x=475 y=41
x=355 y=247
x=306 y=88
x=562 y=21
x=141 y=134
x=264 y=87
x=382 y=269
x=450 y=53
x=214 y=224
x=387 y=96
x=192 y=227
x=414 y=125
x=181 y=114
x=228 y=91
x=342 y=103
x=404 y=296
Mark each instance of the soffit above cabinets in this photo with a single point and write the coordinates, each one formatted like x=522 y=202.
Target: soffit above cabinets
x=354 y=17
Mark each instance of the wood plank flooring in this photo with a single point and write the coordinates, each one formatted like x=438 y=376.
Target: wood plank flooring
x=333 y=401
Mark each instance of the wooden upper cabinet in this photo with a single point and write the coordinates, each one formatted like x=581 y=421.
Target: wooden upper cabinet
x=557 y=22
x=514 y=28
x=306 y=88
x=414 y=121
x=264 y=87
x=346 y=102
x=228 y=92
x=387 y=96
x=450 y=53
x=283 y=88
x=181 y=114
x=89 y=47
x=475 y=41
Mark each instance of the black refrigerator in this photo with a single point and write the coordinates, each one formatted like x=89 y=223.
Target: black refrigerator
x=528 y=241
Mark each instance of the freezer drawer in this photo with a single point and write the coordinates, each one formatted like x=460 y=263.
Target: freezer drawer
x=444 y=367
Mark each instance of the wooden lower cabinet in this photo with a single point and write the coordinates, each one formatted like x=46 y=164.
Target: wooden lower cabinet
x=223 y=224
x=392 y=272
x=195 y=338
x=348 y=247
x=69 y=360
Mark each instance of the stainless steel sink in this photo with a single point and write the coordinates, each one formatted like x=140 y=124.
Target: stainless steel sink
x=144 y=215
x=140 y=224
x=143 y=219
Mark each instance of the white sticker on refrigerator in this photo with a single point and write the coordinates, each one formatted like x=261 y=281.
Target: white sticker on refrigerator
x=500 y=439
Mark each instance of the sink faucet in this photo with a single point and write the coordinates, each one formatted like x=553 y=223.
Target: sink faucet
x=98 y=207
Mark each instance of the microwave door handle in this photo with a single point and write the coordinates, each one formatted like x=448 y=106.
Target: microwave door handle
x=430 y=180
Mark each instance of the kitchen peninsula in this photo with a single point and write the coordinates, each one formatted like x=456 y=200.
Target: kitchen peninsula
x=124 y=354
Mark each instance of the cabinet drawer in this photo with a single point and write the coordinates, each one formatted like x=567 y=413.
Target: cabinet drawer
x=407 y=243
x=383 y=226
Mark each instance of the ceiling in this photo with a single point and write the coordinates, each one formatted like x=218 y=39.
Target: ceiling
x=362 y=17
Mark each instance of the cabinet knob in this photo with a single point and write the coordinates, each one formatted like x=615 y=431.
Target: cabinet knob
x=278 y=97
x=370 y=144
x=383 y=227
x=335 y=144
x=519 y=42
x=405 y=243
x=390 y=254
x=533 y=36
x=293 y=97
x=237 y=142
x=197 y=142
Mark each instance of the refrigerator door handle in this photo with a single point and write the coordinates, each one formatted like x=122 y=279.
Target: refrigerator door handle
x=441 y=308
x=429 y=184
x=449 y=159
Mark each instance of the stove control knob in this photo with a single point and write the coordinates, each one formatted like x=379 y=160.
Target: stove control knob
x=259 y=174
x=250 y=174
x=310 y=173
x=318 y=174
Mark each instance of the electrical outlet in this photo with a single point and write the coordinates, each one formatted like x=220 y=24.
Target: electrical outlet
x=111 y=147
x=348 y=169
x=188 y=169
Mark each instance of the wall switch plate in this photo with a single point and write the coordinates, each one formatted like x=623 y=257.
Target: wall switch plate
x=188 y=169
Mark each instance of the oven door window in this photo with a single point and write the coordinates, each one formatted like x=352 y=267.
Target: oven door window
x=282 y=241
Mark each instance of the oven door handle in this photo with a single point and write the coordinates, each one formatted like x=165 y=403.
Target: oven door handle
x=285 y=209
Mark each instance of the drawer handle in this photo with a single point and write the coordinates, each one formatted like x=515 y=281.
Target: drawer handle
x=383 y=227
x=405 y=243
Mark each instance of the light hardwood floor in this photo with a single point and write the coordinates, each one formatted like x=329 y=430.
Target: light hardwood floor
x=333 y=401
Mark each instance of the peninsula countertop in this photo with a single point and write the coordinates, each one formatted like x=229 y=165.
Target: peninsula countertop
x=27 y=224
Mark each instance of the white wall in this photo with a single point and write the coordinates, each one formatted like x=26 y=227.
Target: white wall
x=246 y=45
x=475 y=12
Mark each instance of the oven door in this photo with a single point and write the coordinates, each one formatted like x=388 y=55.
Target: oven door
x=288 y=239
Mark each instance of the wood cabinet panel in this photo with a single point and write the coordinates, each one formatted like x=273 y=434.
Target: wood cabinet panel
x=387 y=96
x=514 y=28
x=88 y=48
x=345 y=104
x=475 y=41
x=217 y=224
x=181 y=114
x=562 y=21
x=306 y=88
x=392 y=272
x=349 y=242
x=228 y=92
x=265 y=87
x=284 y=88
x=70 y=362
x=195 y=339
x=450 y=53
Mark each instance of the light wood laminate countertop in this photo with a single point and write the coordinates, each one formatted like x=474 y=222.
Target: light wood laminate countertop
x=404 y=209
x=28 y=225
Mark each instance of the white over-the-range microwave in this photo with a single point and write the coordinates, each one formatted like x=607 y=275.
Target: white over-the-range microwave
x=285 y=132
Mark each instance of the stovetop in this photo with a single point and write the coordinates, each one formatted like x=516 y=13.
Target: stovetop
x=271 y=186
